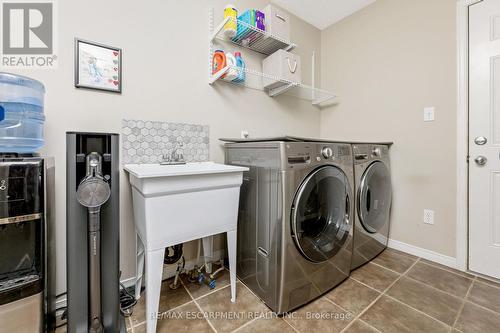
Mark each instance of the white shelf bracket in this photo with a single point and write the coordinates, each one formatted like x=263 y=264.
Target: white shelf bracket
x=281 y=90
x=215 y=32
x=218 y=75
x=322 y=100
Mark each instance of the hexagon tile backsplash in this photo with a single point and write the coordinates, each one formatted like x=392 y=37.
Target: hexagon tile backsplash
x=146 y=141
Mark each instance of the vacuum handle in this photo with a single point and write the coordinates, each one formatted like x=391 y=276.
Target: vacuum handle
x=95 y=319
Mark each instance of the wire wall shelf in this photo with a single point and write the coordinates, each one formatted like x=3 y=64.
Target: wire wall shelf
x=264 y=43
x=252 y=38
x=255 y=80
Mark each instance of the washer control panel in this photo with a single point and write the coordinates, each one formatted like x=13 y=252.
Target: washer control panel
x=376 y=152
x=327 y=152
x=334 y=152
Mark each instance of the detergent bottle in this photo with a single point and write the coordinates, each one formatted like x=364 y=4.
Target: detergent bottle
x=218 y=61
x=230 y=27
x=241 y=68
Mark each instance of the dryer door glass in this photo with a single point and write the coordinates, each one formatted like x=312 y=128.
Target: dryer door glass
x=374 y=197
x=321 y=214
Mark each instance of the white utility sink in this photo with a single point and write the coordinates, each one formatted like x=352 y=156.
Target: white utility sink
x=174 y=204
x=157 y=170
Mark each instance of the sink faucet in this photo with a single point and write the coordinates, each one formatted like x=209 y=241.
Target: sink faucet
x=175 y=156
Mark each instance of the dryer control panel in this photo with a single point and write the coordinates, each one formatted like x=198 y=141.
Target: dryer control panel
x=367 y=152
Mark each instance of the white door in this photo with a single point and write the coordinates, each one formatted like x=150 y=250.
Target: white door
x=484 y=138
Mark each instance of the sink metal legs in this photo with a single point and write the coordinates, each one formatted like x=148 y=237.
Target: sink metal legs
x=139 y=267
x=154 y=271
x=231 y=248
x=208 y=251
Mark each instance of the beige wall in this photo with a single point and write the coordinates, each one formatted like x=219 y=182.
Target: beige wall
x=387 y=62
x=165 y=75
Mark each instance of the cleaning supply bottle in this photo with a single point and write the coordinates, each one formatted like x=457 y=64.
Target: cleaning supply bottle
x=218 y=61
x=232 y=72
x=230 y=26
x=241 y=68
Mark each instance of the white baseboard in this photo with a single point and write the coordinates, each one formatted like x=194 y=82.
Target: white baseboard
x=424 y=253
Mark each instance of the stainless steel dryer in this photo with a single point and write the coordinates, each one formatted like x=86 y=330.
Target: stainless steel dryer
x=295 y=220
x=373 y=201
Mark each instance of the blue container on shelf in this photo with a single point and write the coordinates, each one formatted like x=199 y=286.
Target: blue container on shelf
x=21 y=114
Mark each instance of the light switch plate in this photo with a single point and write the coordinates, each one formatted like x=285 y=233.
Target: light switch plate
x=428 y=216
x=429 y=113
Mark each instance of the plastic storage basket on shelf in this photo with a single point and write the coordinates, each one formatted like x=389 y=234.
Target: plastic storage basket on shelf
x=21 y=114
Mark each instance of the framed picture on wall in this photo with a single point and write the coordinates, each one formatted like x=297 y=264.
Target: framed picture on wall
x=98 y=66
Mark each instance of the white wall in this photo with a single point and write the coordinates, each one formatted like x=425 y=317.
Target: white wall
x=165 y=71
x=387 y=62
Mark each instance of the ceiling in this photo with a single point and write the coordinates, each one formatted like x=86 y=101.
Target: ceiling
x=322 y=13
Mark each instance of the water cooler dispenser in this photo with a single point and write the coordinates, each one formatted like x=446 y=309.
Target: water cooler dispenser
x=92 y=233
x=27 y=258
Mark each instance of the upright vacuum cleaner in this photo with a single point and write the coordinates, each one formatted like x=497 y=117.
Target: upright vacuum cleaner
x=92 y=233
x=93 y=192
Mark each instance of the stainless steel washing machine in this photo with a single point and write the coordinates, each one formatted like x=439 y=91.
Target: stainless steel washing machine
x=296 y=218
x=373 y=201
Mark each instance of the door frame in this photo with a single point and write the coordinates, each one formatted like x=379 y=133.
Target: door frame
x=462 y=231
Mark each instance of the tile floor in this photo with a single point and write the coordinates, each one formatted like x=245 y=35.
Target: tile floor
x=396 y=292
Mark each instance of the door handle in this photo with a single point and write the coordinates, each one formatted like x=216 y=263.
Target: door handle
x=480 y=140
x=481 y=160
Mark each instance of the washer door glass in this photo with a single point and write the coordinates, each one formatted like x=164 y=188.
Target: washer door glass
x=374 y=197
x=321 y=214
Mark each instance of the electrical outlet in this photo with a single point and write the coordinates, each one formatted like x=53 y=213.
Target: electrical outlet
x=428 y=216
x=429 y=113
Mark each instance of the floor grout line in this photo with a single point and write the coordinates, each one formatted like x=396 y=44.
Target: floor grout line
x=417 y=310
x=245 y=324
x=364 y=284
x=260 y=300
x=364 y=322
x=401 y=253
x=378 y=297
x=489 y=283
x=169 y=310
x=474 y=277
x=340 y=306
x=293 y=327
x=448 y=269
x=464 y=299
x=459 y=313
x=437 y=289
x=198 y=306
x=178 y=306
x=483 y=307
x=344 y=309
x=131 y=327
x=380 y=265
x=209 y=293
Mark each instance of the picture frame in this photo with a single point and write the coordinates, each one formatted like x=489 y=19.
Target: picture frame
x=98 y=66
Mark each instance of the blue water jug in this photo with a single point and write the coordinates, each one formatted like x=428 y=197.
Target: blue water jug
x=21 y=114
